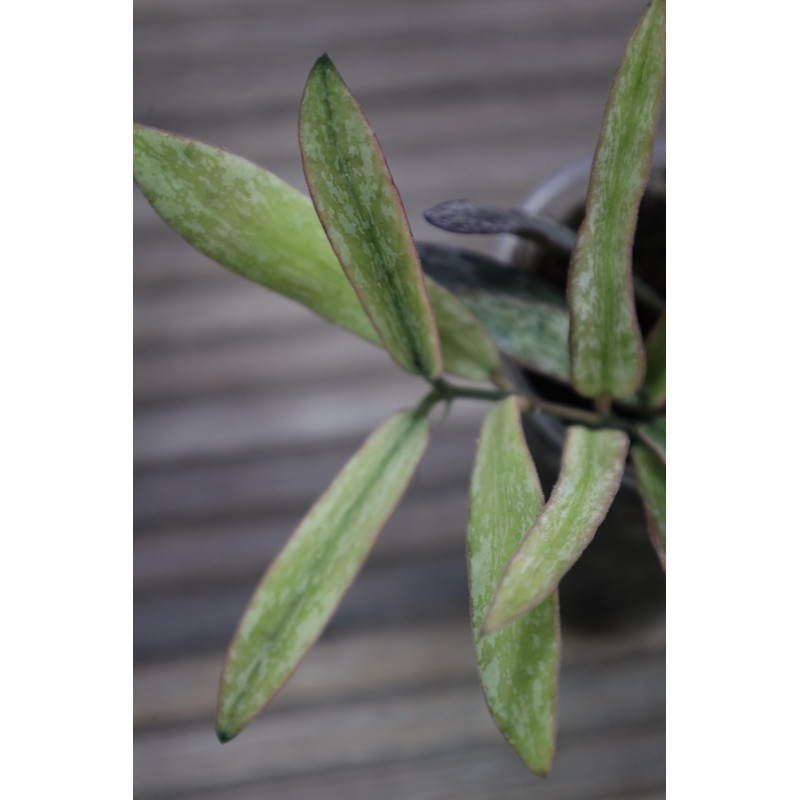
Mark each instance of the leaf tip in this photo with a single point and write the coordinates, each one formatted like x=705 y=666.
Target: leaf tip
x=224 y=735
x=227 y=727
x=492 y=623
x=324 y=62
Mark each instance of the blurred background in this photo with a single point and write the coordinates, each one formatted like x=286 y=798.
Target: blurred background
x=246 y=406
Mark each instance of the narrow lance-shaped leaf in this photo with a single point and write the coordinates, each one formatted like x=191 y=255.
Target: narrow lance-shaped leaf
x=250 y=221
x=533 y=333
x=525 y=317
x=464 y=270
x=519 y=665
x=306 y=582
x=360 y=209
x=654 y=435
x=467 y=348
x=654 y=390
x=606 y=345
x=651 y=478
x=247 y=219
x=591 y=470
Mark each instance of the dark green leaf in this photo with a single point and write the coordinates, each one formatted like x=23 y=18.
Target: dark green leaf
x=533 y=333
x=606 y=345
x=654 y=390
x=463 y=270
x=306 y=582
x=651 y=478
x=524 y=316
x=591 y=470
x=518 y=665
x=360 y=209
x=467 y=348
x=654 y=435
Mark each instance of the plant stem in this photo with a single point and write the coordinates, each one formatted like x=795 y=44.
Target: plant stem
x=443 y=390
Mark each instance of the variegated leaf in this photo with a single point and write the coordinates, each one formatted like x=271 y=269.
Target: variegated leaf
x=519 y=665
x=360 y=209
x=305 y=584
x=606 y=347
x=591 y=469
x=654 y=435
x=654 y=390
x=651 y=478
x=250 y=221
x=534 y=334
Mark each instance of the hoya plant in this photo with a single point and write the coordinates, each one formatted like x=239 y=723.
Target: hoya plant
x=349 y=256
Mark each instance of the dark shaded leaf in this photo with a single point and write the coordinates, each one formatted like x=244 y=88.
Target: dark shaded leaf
x=654 y=435
x=458 y=270
x=651 y=478
x=654 y=390
x=525 y=317
x=534 y=334
x=464 y=216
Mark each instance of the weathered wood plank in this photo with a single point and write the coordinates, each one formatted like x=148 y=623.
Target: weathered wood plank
x=249 y=421
x=420 y=724
x=586 y=769
x=222 y=551
x=205 y=312
x=347 y=666
x=229 y=365
x=211 y=27
x=283 y=478
x=365 y=663
x=382 y=66
x=195 y=619
x=458 y=126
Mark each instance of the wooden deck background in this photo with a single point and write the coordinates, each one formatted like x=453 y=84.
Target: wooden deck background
x=246 y=406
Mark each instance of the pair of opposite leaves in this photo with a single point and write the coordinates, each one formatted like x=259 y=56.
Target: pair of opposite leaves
x=514 y=540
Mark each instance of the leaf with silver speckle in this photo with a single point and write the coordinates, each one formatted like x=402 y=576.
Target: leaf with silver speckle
x=308 y=579
x=606 y=347
x=360 y=209
x=591 y=471
x=518 y=665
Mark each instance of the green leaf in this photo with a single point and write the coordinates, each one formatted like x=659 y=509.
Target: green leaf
x=654 y=435
x=464 y=270
x=591 y=470
x=360 y=209
x=467 y=348
x=533 y=333
x=250 y=221
x=304 y=585
x=651 y=478
x=605 y=341
x=654 y=390
x=519 y=665
x=526 y=319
